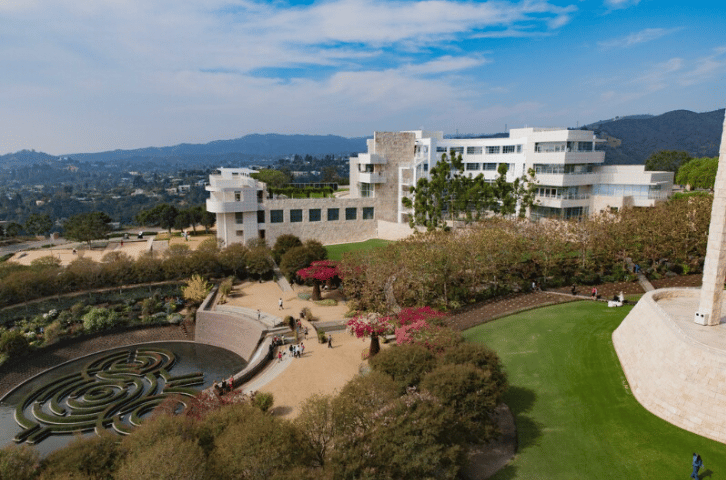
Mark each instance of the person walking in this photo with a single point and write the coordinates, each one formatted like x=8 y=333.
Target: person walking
x=302 y=349
x=330 y=341
x=697 y=464
x=280 y=303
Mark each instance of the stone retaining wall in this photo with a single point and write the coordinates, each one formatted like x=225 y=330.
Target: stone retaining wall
x=672 y=375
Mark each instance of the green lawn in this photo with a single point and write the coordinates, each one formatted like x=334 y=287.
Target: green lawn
x=335 y=252
x=575 y=415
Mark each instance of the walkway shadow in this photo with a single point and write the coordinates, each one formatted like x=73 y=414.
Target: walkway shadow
x=520 y=401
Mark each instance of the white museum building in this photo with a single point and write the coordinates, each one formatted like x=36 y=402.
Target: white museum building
x=571 y=178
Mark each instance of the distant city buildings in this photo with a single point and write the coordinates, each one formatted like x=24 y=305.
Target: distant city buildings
x=571 y=182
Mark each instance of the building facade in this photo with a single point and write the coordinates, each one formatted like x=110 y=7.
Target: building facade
x=571 y=182
x=569 y=172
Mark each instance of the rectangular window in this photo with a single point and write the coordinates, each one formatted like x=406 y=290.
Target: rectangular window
x=366 y=190
x=260 y=196
x=519 y=148
x=457 y=150
x=367 y=213
x=472 y=166
x=508 y=149
x=492 y=150
x=440 y=149
x=314 y=215
x=489 y=166
x=333 y=214
x=296 y=215
x=261 y=234
x=240 y=233
x=473 y=150
x=237 y=196
x=426 y=167
x=584 y=146
x=239 y=217
x=260 y=216
x=275 y=216
x=351 y=213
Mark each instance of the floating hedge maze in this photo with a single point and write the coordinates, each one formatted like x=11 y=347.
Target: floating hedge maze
x=115 y=391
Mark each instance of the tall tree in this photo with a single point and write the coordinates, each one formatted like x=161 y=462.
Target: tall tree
x=38 y=224
x=273 y=178
x=667 y=160
x=698 y=173
x=86 y=227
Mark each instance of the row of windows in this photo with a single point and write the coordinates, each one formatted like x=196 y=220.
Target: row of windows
x=560 y=169
x=486 y=166
x=491 y=150
x=315 y=214
x=551 y=147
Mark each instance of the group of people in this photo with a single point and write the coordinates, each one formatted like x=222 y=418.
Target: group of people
x=296 y=351
x=225 y=386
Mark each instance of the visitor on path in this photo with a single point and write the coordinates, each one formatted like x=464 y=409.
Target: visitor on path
x=280 y=303
x=259 y=314
x=279 y=356
x=697 y=464
x=573 y=290
x=330 y=341
x=302 y=349
x=593 y=293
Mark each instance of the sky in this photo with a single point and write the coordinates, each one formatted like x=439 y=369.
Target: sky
x=95 y=75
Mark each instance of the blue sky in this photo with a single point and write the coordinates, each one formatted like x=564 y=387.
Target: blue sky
x=93 y=75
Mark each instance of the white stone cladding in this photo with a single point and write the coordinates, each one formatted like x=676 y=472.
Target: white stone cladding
x=571 y=178
x=675 y=368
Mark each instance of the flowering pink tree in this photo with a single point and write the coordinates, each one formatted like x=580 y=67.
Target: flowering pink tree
x=319 y=272
x=371 y=325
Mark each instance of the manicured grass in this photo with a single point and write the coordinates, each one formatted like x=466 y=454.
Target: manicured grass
x=575 y=414
x=335 y=252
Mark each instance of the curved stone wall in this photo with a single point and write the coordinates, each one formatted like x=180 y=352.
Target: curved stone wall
x=675 y=371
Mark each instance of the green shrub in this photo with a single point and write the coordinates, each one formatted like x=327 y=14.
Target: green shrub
x=405 y=364
x=263 y=400
x=304 y=296
x=89 y=458
x=19 y=463
x=52 y=332
x=322 y=336
x=13 y=343
x=99 y=318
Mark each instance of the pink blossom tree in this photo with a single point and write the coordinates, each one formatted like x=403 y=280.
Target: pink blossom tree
x=371 y=325
x=319 y=272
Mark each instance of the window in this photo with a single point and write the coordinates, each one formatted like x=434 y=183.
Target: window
x=473 y=150
x=351 y=213
x=261 y=234
x=260 y=196
x=519 y=148
x=457 y=150
x=296 y=215
x=365 y=168
x=440 y=149
x=240 y=233
x=275 y=216
x=366 y=190
x=239 y=217
x=260 y=216
x=367 y=213
x=426 y=167
x=584 y=146
x=314 y=215
x=508 y=149
x=237 y=196
x=492 y=150
x=489 y=166
x=472 y=166
x=333 y=214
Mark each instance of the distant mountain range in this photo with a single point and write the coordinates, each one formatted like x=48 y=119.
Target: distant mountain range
x=631 y=140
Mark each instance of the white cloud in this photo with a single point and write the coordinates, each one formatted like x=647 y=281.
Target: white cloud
x=636 y=38
x=705 y=68
x=620 y=4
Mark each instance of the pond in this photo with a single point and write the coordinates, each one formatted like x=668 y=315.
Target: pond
x=114 y=390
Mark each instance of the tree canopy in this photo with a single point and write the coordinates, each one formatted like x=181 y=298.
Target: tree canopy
x=698 y=173
x=451 y=195
x=273 y=178
x=86 y=227
x=667 y=160
x=38 y=224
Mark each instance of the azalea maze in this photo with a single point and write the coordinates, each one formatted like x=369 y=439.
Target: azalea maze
x=114 y=391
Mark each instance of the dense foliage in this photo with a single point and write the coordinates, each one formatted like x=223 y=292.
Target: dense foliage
x=698 y=173
x=447 y=270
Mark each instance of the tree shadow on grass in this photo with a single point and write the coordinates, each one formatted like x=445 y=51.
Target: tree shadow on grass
x=520 y=401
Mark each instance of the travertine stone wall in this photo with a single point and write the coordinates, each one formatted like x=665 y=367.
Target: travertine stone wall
x=398 y=150
x=325 y=231
x=674 y=376
x=714 y=270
